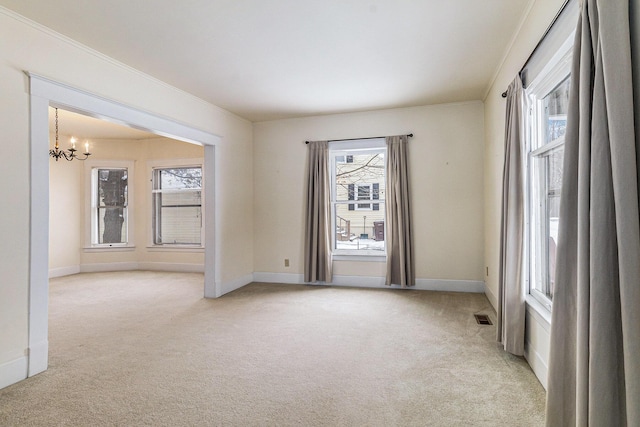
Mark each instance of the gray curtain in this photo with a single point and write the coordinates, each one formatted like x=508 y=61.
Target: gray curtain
x=317 y=249
x=400 y=264
x=594 y=364
x=511 y=293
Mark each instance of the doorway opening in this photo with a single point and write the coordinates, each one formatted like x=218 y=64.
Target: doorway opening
x=45 y=93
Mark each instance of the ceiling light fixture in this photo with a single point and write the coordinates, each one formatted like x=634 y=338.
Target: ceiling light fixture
x=69 y=154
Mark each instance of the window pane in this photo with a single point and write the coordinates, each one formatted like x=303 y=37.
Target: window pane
x=177 y=203
x=180 y=225
x=364 y=193
x=361 y=177
x=112 y=187
x=365 y=170
x=356 y=230
x=181 y=198
x=555 y=161
x=548 y=175
x=177 y=178
x=555 y=106
x=112 y=201
x=112 y=225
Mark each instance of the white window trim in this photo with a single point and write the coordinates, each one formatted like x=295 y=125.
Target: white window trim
x=556 y=70
x=177 y=163
x=337 y=148
x=89 y=222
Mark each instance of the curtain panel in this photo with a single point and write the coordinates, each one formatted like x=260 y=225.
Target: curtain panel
x=511 y=292
x=594 y=362
x=400 y=262
x=317 y=243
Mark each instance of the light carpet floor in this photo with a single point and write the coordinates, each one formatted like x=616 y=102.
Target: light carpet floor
x=144 y=348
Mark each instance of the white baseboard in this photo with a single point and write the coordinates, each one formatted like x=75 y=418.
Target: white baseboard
x=234 y=284
x=473 y=286
x=493 y=299
x=173 y=267
x=108 y=266
x=64 y=271
x=150 y=266
x=13 y=371
x=38 y=358
x=288 y=278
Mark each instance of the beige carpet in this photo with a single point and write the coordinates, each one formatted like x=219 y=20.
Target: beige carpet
x=144 y=348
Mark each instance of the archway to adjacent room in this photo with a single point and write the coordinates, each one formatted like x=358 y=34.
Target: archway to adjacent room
x=45 y=93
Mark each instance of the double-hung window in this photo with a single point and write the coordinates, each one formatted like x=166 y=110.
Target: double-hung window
x=110 y=194
x=177 y=205
x=547 y=98
x=357 y=196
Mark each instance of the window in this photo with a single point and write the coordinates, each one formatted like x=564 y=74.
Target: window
x=110 y=197
x=343 y=159
x=367 y=192
x=357 y=180
x=548 y=99
x=177 y=205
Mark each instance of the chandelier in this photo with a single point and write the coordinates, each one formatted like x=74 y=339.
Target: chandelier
x=69 y=154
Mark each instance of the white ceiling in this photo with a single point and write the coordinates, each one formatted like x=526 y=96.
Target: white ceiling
x=84 y=127
x=275 y=59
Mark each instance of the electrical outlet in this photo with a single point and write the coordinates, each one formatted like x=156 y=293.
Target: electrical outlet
x=286 y=262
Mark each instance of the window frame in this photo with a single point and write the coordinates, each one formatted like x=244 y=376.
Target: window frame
x=347 y=149
x=553 y=74
x=91 y=209
x=154 y=165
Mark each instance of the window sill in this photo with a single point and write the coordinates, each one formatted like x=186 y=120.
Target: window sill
x=361 y=257
x=176 y=248
x=539 y=311
x=91 y=249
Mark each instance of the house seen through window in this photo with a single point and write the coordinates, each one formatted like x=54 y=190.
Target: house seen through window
x=357 y=196
x=177 y=206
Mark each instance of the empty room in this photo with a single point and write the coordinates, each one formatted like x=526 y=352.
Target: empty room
x=332 y=213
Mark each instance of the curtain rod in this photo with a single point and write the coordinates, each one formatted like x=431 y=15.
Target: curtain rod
x=555 y=18
x=410 y=135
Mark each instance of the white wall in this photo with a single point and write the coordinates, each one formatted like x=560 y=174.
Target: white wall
x=65 y=216
x=29 y=47
x=532 y=28
x=446 y=175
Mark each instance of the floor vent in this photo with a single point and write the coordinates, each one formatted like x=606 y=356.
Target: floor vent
x=483 y=319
